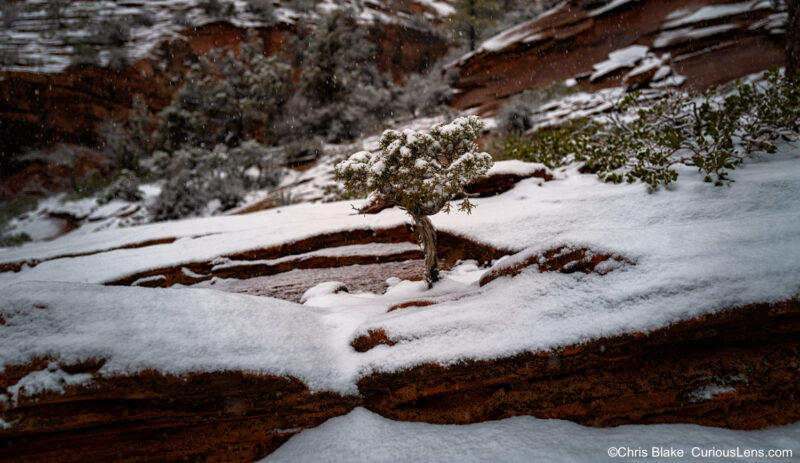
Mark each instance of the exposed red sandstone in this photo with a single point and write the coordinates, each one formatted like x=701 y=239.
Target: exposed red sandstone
x=637 y=378
x=71 y=106
x=233 y=416
x=562 y=259
x=570 y=41
x=451 y=249
x=224 y=416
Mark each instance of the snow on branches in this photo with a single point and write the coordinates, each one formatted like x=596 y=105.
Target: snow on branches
x=420 y=173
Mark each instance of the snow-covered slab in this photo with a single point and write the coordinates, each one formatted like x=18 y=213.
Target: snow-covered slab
x=372 y=249
x=624 y=58
x=668 y=37
x=196 y=240
x=696 y=249
x=611 y=6
x=174 y=331
x=362 y=436
x=516 y=167
x=714 y=12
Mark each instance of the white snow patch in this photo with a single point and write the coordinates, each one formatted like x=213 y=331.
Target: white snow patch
x=709 y=392
x=4 y=424
x=613 y=5
x=323 y=289
x=363 y=436
x=667 y=38
x=51 y=379
x=516 y=167
x=624 y=58
x=712 y=12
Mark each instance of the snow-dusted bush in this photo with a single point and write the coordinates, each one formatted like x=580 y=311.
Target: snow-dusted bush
x=550 y=146
x=125 y=187
x=644 y=139
x=205 y=181
x=129 y=145
x=301 y=6
x=420 y=173
x=471 y=18
x=226 y=98
x=426 y=94
x=514 y=116
x=341 y=94
x=84 y=55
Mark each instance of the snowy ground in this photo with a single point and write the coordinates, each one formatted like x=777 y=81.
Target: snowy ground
x=362 y=436
x=697 y=249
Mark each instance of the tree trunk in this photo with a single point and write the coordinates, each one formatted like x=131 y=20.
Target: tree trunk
x=426 y=236
x=793 y=42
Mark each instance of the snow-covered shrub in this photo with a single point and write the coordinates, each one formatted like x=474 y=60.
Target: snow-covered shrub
x=118 y=59
x=84 y=55
x=125 y=187
x=341 y=94
x=426 y=94
x=112 y=32
x=550 y=146
x=180 y=197
x=471 y=18
x=14 y=239
x=713 y=132
x=644 y=139
x=301 y=6
x=129 y=145
x=514 y=116
x=516 y=12
x=226 y=98
x=9 y=12
x=420 y=173
x=220 y=177
x=255 y=165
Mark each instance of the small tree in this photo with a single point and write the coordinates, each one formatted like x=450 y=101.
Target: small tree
x=471 y=17
x=420 y=173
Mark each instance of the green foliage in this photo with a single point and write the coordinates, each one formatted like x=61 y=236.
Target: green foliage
x=517 y=115
x=16 y=208
x=471 y=17
x=14 y=239
x=203 y=180
x=225 y=99
x=552 y=147
x=125 y=187
x=643 y=140
x=130 y=145
x=420 y=172
x=341 y=94
x=10 y=211
x=90 y=186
